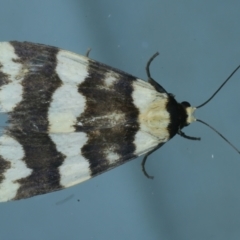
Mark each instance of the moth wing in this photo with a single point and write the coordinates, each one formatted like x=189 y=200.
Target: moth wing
x=57 y=163
x=71 y=118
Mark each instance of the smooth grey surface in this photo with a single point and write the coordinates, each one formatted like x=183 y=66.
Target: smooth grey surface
x=195 y=194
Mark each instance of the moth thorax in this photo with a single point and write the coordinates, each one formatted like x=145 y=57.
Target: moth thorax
x=155 y=119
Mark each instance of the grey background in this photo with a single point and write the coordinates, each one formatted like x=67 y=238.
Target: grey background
x=196 y=191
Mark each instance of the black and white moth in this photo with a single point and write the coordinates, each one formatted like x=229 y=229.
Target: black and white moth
x=72 y=118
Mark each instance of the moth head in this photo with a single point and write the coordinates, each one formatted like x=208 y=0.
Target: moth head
x=189 y=118
x=189 y=110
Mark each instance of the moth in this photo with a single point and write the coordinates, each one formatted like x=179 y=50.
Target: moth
x=71 y=118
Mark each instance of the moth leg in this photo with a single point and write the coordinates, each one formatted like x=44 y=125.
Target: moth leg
x=145 y=159
x=182 y=134
x=88 y=51
x=156 y=85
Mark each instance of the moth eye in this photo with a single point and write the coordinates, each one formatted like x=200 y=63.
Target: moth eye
x=186 y=104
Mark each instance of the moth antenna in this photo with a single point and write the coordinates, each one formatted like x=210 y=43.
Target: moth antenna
x=210 y=100
x=218 y=134
x=219 y=88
